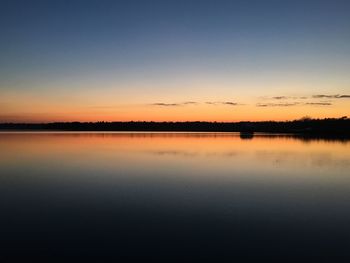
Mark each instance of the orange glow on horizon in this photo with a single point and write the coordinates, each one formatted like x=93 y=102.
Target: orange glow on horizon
x=38 y=109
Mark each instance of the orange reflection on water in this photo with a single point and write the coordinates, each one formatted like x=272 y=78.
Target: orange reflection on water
x=214 y=154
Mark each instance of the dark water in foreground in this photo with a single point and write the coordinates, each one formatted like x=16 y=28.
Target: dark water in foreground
x=78 y=196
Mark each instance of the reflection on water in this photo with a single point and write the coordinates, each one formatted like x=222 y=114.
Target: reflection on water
x=141 y=195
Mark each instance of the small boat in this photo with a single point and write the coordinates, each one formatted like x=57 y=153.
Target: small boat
x=246 y=134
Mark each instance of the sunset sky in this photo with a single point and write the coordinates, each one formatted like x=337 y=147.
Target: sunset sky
x=173 y=60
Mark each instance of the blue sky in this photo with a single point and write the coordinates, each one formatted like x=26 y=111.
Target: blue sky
x=84 y=53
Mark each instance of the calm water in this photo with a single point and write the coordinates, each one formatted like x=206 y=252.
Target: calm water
x=173 y=195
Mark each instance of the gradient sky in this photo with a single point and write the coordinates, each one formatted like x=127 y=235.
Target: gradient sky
x=173 y=60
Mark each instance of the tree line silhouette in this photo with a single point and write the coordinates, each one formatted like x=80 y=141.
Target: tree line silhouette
x=330 y=126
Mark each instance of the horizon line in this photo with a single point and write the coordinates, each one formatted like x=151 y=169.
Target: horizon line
x=305 y=118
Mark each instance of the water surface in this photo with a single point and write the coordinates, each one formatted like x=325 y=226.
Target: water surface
x=173 y=195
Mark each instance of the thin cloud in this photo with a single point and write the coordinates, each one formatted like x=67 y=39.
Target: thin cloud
x=229 y=103
x=321 y=96
x=290 y=104
x=319 y=103
x=166 y=104
x=277 y=104
x=163 y=104
x=336 y=96
x=280 y=97
x=287 y=98
x=190 y=103
x=317 y=96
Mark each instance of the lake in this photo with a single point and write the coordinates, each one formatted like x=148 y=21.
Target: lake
x=173 y=196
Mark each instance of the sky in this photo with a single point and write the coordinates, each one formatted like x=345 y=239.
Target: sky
x=173 y=60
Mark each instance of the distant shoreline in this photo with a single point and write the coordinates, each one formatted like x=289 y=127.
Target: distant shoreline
x=306 y=127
